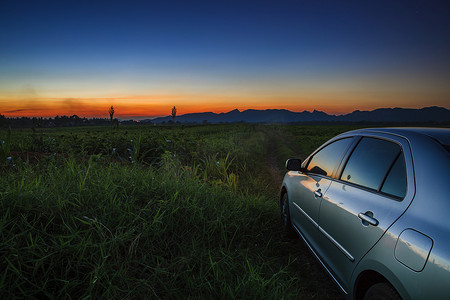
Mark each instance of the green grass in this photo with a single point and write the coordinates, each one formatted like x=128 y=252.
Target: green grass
x=298 y=141
x=172 y=212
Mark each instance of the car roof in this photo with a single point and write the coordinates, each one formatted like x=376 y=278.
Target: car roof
x=441 y=135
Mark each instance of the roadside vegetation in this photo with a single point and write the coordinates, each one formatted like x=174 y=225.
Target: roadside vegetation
x=156 y=212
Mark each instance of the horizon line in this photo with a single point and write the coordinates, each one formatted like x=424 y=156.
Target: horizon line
x=141 y=118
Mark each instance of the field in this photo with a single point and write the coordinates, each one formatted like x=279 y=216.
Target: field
x=156 y=212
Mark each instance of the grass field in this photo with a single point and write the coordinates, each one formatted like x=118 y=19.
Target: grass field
x=155 y=212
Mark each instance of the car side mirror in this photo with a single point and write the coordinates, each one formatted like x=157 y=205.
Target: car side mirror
x=294 y=164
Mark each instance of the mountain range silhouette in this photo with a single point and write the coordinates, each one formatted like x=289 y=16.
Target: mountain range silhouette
x=409 y=115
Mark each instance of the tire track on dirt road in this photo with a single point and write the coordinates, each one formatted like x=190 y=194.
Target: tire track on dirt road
x=274 y=140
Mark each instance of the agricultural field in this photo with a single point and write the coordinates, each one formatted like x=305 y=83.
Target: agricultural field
x=157 y=212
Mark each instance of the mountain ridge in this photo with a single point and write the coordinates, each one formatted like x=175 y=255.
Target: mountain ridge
x=396 y=114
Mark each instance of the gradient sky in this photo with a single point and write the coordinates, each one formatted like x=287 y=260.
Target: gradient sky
x=144 y=57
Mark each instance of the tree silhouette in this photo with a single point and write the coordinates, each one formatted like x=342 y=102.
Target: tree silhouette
x=111 y=113
x=174 y=113
x=3 y=120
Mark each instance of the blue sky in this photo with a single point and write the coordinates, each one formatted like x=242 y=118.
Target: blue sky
x=334 y=56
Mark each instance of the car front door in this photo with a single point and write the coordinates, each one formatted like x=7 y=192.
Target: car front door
x=306 y=192
x=371 y=191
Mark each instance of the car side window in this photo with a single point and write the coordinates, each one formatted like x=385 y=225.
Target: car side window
x=324 y=161
x=395 y=183
x=370 y=162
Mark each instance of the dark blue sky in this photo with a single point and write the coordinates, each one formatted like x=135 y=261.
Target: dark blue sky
x=330 y=55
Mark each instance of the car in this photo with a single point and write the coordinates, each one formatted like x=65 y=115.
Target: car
x=373 y=205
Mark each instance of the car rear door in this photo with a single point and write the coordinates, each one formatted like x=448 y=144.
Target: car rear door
x=373 y=188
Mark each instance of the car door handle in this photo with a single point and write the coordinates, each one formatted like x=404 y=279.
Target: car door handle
x=318 y=193
x=368 y=218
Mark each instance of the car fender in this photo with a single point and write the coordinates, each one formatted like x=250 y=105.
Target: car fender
x=380 y=260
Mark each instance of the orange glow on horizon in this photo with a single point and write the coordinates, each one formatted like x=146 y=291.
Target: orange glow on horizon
x=128 y=109
x=150 y=106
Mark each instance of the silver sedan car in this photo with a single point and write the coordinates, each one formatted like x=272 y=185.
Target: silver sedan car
x=373 y=205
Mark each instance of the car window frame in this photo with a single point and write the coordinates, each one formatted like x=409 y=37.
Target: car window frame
x=349 y=148
x=401 y=154
x=344 y=162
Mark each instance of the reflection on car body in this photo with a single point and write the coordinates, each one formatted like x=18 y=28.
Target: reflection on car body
x=372 y=205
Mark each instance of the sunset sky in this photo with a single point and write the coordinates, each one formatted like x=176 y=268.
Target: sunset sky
x=144 y=57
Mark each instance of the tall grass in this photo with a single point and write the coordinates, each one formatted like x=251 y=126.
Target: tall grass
x=189 y=218
x=5 y=149
x=298 y=141
x=103 y=230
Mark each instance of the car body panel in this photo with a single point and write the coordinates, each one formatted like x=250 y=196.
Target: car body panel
x=339 y=218
x=412 y=249
x=304 y=204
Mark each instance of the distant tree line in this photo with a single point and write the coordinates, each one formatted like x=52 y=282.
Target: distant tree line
x=58 y=121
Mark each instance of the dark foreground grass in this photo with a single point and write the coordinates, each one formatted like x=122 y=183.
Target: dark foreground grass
x=102 y=230
x=95 y=226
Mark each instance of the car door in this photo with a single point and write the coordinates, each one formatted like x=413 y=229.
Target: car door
x=370 y=194
x=307 y=188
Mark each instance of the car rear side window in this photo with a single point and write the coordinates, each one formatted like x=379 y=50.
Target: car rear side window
x=370 y=162
x=395 y=183
x=324 y=161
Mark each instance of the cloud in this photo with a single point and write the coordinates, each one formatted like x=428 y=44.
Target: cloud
x=16 y=110
x=72 y=105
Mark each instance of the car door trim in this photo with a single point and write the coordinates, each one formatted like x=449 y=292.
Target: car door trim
x=320 y=260
x=305 y=214
x=339 y=246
